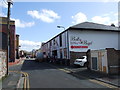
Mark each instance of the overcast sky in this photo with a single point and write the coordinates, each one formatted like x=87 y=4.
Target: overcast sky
x=37 y=22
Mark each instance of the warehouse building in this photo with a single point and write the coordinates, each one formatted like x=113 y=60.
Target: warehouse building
x=78 y=39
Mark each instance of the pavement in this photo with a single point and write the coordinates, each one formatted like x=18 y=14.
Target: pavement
x=110 y=79
x=83 y=71
x=14 y=79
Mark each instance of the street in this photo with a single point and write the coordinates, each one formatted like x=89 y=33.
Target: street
x=45 y=75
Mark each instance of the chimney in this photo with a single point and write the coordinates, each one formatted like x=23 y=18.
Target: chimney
x=113 y=25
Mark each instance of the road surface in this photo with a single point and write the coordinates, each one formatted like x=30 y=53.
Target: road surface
x=45 y=75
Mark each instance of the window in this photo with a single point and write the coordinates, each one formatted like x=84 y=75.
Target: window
x=50 y=43
x=60 y=40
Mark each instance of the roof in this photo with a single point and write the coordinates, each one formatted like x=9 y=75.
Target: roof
x=3 y=20
x=90 y=26
x=94 y=26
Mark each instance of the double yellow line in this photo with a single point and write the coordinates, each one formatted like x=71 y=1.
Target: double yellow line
x=26 y=81
x=26 y=85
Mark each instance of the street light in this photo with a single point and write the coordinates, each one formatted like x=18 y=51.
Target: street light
x=11 y=1
x=8 y=31
x=61 y=27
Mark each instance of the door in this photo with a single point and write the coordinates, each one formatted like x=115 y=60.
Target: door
x=94 y=63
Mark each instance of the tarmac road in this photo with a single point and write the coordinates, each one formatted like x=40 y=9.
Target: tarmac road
x=45 y=75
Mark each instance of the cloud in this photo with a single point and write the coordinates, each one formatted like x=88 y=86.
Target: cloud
x=45 y=15
x=2 y=15
x=19 y=23
x=79 y=18
x=23 y=24
x=29 y=45
x=106 y=19
x=3 y=4
x=101 y=20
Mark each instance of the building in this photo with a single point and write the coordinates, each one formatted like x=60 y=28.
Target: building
x=17 y=46
x=78 y=39
x=3 y=44
x=104 y=60
x=12 y=36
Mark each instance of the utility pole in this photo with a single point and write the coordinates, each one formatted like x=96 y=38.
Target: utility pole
x=8 y=32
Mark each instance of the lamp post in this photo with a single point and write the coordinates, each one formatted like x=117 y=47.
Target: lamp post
x=8 y=30
x=61 y=27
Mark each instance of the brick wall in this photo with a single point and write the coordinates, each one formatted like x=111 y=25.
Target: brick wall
x=113 y=60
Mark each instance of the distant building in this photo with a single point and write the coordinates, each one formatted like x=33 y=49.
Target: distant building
x=78 y=39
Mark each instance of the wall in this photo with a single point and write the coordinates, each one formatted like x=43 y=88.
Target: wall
x=3 y=24
x=3 y=64
x=93 y=40
x=108 y=60
x=113 y=60
x=101 y=60
x=119 y=41
x=54 y=45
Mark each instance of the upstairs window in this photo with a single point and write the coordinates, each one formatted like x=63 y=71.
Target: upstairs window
x=60 y=40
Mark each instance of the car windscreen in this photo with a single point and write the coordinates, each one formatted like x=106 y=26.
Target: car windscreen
x=81 y=57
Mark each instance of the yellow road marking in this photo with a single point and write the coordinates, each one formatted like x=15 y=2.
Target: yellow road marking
x=28 y=83
x=26 y=79
x=65 y=70
x=95 y=81
x=102 y=83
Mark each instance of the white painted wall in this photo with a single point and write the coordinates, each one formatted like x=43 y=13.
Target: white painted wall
x=99 y=39
x=48 y=49
x=119 y=41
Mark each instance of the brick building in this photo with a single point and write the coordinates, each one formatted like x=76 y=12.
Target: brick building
x=17 y=46
x=4 y=33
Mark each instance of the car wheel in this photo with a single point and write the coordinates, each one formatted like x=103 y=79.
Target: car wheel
x=85 y=65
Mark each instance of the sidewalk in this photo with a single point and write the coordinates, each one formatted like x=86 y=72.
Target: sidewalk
x=83 y=71
x=17 y=61
x=14 y=79
x=110 y=79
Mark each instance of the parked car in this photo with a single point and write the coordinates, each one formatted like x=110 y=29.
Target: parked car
x=81 y=61
x=27 y=56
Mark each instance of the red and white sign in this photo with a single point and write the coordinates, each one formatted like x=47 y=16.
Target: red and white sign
x=77 y=43
x=79 y=47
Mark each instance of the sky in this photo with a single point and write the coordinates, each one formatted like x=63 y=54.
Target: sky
x=37 y=21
